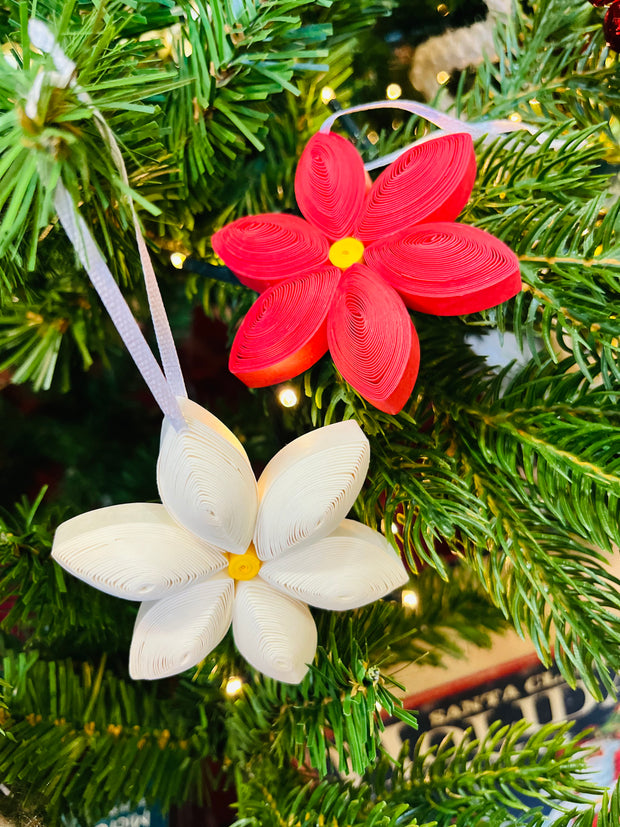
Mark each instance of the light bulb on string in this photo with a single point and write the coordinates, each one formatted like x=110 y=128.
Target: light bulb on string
x=288 y=396
x=393 y=91
x=234 y=685
x=177 y=260
x=327 y=94
x=409 y=599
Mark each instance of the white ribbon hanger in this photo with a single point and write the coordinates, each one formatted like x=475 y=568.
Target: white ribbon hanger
x=165 y=386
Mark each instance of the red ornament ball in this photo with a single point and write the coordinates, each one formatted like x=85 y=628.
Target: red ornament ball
x=611 y=26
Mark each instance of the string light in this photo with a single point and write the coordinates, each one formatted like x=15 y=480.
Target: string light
x=372 y=137
x=327 y=94
x=234 y=685
x=442 y=77
x=177 y=260
x=515 y=117
x=409 y=598
x=288 y=397
x=443 y=9
x=393 y=91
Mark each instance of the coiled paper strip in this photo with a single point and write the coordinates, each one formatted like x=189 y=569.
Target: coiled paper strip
x=431 y=181
x=265 y=353
x=333 y=573
x=177 y=632
x=372 y=340
x=308 y=488
x=264 y=249
x=206 y=481
x=330 y=185
x=264 y=636
x=447 y=269
x=124 y=550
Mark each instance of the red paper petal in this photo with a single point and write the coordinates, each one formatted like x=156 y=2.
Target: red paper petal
x=447 y=269
x=330 y=184
x=284 y=332
x=430 y=182
x=264 y=249
x=372 y=340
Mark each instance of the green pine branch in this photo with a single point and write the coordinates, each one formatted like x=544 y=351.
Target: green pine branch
x=552 y=63
x=351 y=678
x=520 y=479
x=323 y=803
x=602 y=814
x=551 y=207
x=99 y=739
x=509 y=771
x=60 y=139
x=54 y=612
x=498 y=780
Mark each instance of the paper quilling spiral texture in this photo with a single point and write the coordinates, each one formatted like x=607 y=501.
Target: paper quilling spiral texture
x=341 y=279
x=225 y=549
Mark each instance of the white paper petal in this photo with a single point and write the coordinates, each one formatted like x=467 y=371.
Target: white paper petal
x=274 y=633
x=136 y=551
x=352 y=567
x=205 y=480
x=309 y=487
x=177 y=632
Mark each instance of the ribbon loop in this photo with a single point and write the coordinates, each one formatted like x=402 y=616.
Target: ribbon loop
x=166 y=386
x=446 y=123
x=114 y=302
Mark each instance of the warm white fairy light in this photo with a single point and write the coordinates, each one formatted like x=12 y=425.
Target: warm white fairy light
x=442 y=77
x=409 y=598
x=288 y=397
x=234 y=685
x=393 y=91
x=177 y=260
x=327 y=94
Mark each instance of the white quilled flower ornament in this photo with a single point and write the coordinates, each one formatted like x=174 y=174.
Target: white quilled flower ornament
x=223 y=548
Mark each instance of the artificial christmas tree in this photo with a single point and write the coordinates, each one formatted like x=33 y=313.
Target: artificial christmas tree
x=498 y=486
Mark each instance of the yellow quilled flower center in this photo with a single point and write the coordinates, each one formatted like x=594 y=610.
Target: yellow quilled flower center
x=346 y=252
x=244 y=566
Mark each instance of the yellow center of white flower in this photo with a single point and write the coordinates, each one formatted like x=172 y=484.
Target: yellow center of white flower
x=346 y=252
x=244 y=566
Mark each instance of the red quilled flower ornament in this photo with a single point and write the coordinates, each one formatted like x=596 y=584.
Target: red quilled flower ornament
x=343 y=278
